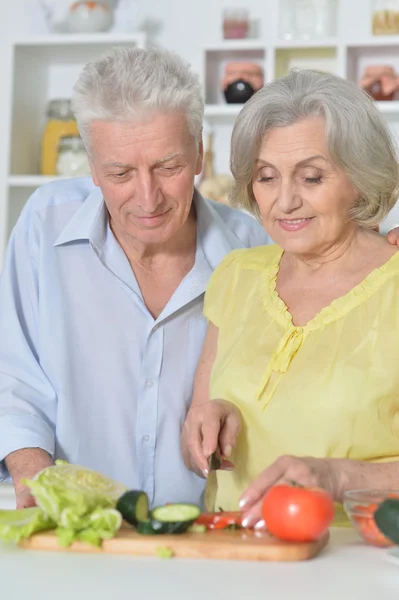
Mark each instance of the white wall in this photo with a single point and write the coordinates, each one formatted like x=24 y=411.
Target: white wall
x=187 y=26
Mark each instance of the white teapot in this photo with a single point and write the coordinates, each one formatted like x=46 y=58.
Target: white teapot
x=87 y=16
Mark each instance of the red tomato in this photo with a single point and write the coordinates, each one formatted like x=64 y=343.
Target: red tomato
x=297 y=514
x=219 y=520
x=367 y=527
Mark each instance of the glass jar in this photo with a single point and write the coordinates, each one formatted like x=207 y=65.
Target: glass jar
x=287 y=19
x=308 y=19
x=385 y=17
x=235 y=23
x=72 y=158
x=60 y=123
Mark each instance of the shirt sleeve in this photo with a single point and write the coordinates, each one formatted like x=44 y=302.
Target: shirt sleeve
x=27 y=399
x=220 y=287
x=258 y=236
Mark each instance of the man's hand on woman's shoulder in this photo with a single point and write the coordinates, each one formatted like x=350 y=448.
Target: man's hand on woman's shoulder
x=393 y=236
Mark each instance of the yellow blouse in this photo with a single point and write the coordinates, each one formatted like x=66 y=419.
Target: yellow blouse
x=327 y=389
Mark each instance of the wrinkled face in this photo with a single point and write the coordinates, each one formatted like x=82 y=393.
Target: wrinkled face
x=146 y=173
x=304 y=199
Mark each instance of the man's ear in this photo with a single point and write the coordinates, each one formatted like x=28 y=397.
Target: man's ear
x=200 y=156
x=93 y=171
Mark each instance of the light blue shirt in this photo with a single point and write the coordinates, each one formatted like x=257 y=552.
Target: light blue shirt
x=86 y=373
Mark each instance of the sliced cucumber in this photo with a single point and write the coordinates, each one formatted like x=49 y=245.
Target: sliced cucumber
x=387 y=518
x=174 y=518
x=196 y=528
x=145 y=527
x=133 y=506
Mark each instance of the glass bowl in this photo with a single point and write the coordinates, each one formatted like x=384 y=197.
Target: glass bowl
x=360 y=506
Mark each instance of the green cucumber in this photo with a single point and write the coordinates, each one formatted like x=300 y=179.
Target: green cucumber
x=133 y=506
x=387 y=518
x=145 y=527
x=174 y=518
x=196 y=528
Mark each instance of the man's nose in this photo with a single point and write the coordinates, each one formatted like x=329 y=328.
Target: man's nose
x=147 y=192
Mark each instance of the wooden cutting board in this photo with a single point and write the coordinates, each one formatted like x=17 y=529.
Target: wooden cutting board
x=224 y=545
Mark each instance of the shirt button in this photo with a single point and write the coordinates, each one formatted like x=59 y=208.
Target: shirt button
x=146 y=438
x=149 y=383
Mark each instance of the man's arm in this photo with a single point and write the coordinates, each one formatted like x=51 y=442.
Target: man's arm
x=26 y=463
x=27 y=399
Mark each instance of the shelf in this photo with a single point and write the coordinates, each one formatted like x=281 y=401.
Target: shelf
x=230 y=111
x=359 y=58
x=323 y=58
x=372 y=42
x=319 y=43
x=217 y=57
x=237 y=45
x=46 y=68
x=216 y=111
x=388 y=107
x=30 y=181
x=81 y=39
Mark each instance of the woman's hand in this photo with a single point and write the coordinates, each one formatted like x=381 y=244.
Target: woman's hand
x=309 y=472
x=210 y=426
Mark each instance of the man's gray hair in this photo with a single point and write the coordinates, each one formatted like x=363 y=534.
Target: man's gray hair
x=358 y=138
x=129 y=84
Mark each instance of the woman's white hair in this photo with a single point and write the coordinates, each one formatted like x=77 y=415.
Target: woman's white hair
x=129 y=84
x=358 y=138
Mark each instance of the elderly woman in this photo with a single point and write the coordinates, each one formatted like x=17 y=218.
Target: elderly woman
x=299 y=370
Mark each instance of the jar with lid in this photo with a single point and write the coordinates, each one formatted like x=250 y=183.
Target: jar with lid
x=235 y=23
x=72 y=157
x=385 y=17
x=308 y=19
x=60 y=123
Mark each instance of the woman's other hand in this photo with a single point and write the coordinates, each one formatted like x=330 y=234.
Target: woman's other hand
x=308 y=472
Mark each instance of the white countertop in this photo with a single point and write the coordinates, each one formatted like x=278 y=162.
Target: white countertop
x=346 y=570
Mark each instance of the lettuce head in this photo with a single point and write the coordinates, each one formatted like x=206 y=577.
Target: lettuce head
x=78 y=503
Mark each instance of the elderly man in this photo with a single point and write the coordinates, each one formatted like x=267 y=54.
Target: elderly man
x=101 y=295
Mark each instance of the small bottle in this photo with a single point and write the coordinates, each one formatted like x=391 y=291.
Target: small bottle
x=72 y=157
x=60 y=123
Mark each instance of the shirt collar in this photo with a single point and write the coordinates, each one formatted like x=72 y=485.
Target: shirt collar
x=90 y=222
x=216 y=238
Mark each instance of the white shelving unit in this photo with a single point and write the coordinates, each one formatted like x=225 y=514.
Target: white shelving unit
x=42 y=68
x=340 y=55
x=45 y=67
x=346 y=60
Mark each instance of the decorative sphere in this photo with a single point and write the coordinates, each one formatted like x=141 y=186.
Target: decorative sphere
x=238 y=92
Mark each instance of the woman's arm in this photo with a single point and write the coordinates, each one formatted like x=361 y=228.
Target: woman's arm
x=209 y=423
x=335 y=475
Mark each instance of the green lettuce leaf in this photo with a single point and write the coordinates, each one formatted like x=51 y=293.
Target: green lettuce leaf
x=81 y=502
x=66 y=537
x=68 y=493
x=17 y=525
x=101 y=524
